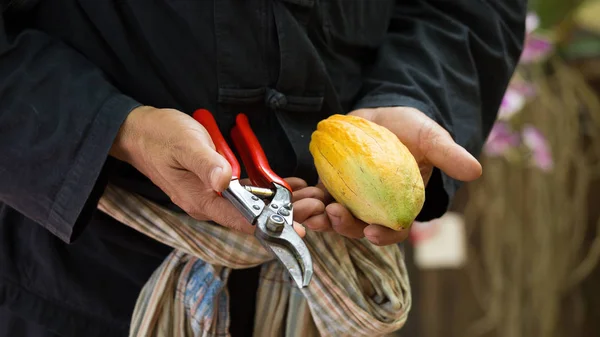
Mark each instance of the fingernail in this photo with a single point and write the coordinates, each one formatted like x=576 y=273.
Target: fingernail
x=370 y=231
x=300 y=228
x=215 y=176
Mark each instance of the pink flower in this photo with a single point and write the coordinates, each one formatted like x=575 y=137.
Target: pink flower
x=514 y=99
x=522 y=87
x=536 y=46
x=512 y=102
x=500 y=140
x=537 y=144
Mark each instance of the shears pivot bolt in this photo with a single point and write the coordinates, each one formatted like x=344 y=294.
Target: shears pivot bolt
x=275 y=223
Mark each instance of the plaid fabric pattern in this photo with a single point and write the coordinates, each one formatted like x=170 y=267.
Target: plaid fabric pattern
x=357 y=289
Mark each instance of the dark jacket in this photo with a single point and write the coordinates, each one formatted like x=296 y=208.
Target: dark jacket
x=71 y=70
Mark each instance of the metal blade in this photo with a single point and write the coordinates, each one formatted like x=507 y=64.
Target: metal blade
x=289 y=248
x=300 y=274
x=275 y=230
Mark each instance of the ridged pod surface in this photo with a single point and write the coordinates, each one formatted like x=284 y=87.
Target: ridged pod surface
x=367 y=169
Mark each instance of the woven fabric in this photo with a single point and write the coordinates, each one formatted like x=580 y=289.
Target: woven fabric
x=358 y=289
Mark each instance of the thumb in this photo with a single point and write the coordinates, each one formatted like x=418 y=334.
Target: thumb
x=428 y=140
x=209 y=166
x=442 y=151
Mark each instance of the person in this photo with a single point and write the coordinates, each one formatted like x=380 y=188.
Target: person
x=97 y=92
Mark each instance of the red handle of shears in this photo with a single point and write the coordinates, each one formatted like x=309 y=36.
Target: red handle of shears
x=207 y=120
x=245 y=141
x=253 y=156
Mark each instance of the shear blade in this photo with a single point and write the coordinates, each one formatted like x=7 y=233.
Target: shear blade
x=300 y=274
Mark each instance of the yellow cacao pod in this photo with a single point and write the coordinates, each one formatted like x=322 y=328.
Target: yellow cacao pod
x=367 y=169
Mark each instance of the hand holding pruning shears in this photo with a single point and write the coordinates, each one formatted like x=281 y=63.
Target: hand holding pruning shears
x=189 y=161
x=178 y=155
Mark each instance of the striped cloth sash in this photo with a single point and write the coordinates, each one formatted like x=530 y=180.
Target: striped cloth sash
x=358 y=289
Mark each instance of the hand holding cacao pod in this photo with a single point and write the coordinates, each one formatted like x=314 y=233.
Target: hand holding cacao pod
x=376 y=168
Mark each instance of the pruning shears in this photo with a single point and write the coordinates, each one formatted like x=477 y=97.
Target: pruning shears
x=267 y=203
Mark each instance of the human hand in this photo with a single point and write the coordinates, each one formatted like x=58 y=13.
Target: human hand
x=430 y=144
x=177 y=154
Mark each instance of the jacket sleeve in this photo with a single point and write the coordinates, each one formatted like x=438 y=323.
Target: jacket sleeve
x=452 y=60
x=58 y=118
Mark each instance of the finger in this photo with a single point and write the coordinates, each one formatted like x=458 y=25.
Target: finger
x=439 y=149
x=308 y=193
x=327 y=198
x=343 y=222
x=383 y=236
x=423 y=136
x=318 y=223
x=205 y=204
x=299 y=228
x=296 y=183
x=224 y=213
x=305 y=208
x=207 y=164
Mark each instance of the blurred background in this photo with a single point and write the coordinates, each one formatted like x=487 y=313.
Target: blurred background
x=519 y=254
